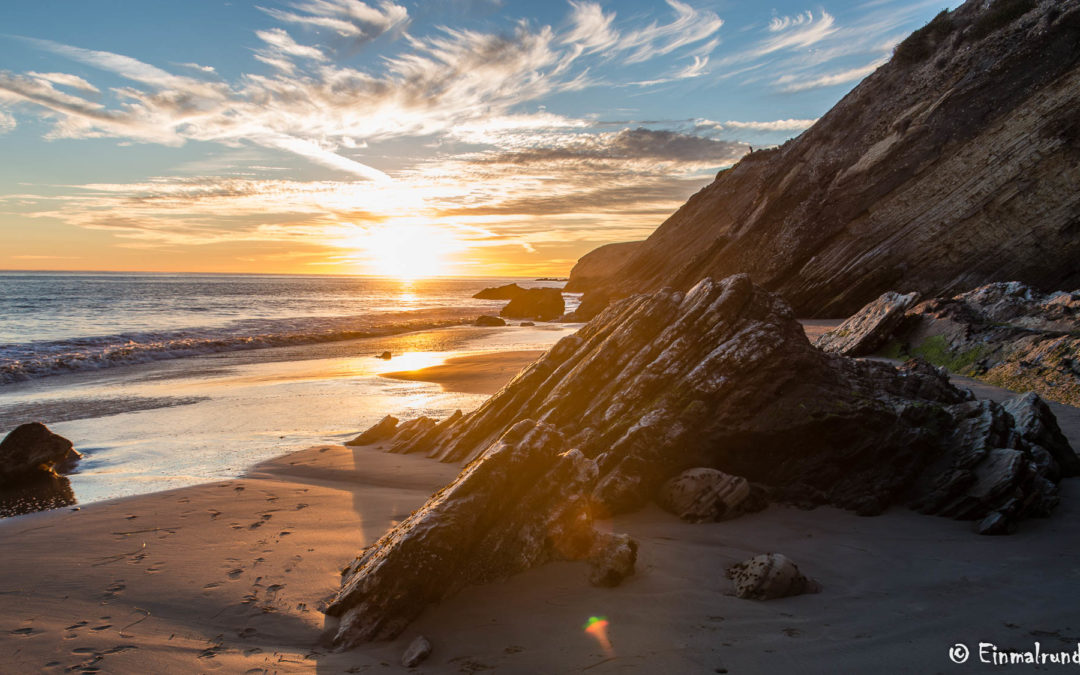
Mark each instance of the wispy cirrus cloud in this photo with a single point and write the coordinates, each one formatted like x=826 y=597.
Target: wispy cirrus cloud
x=793 y=83
x=7 y=122
x=66 y=80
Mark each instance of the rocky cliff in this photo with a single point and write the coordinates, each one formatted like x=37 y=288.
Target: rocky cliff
x=721 y=377
x=953 y=165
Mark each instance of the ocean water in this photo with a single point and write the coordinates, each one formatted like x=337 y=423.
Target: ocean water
x=168 y=380
x=55 y=323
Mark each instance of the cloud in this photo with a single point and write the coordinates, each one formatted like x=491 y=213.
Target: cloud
x=793 y=83
x=281 y=44
x=627 y=144
x=804 y=31
x=350 y=19
x=779 y=23
x=7 y=122
x=196 y=66
x=66 y=80
x=774 y=125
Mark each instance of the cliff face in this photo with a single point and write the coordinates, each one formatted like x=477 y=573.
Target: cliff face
x=954 y=165
x=599 y=263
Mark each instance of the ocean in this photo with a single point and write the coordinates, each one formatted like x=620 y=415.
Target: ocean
x=168 y=380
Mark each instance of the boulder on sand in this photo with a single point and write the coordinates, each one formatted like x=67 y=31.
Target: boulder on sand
x=703 y=494
x=769 y=576
x=32 y=451
x=488 y=320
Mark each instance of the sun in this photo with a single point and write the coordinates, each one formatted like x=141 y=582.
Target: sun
x=407 y=250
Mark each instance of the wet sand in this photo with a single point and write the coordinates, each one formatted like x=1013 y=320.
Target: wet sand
x=472 y=373
x=229 y=576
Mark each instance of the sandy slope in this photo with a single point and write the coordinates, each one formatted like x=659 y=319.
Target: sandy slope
x=228 y=576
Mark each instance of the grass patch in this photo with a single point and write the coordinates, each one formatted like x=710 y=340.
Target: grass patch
x=936 y=350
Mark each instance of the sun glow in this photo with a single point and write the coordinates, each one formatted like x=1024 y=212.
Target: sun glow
x=407 y=250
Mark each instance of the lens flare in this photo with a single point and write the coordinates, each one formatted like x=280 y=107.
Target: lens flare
x=597 y=627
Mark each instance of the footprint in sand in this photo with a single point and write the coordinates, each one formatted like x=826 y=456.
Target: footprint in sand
x=84 y=650
x=214 y=513
x=293 y=562
x=246 y=633
x=235 y=573
x=22 y=631
x=252 y=651
x=102 y=627
x=76 y=626
x=155 y=568
x=301 y=505
x=116 y=589
x=211 y=585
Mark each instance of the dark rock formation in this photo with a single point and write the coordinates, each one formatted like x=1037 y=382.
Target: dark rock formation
x=1007 y=334
x=770 y=576
x=542 y=304
x=522 y=502
x=721 y=377
x=724 y=377
x=703 y=494
x=31 y=452
x=599 y=263
x=385 y=356
x=488 y=320
x=954 y=165
x=382 y=430
x=869 y=330
x=507 y=292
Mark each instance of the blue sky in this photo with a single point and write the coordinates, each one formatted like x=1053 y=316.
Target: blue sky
x=323 y=136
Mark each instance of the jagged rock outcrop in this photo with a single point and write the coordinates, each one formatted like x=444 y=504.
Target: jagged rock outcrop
x=724 y=377
x=542 y=304
x=721 y=377
x=1007 y=334
x=507 y=292
x=703 y=494
x=380 y=431
x=870 y=328
x=32 y=452
x=953 y=165
x=522 y=502
x=599 y=263
x=769 y=576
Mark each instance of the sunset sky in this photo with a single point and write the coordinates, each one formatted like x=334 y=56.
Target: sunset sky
x=472 y=137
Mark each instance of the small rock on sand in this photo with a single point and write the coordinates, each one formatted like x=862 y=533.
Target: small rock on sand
x=418 y=650
x=768 y=576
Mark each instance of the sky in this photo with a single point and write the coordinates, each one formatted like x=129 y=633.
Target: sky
x=450 y=137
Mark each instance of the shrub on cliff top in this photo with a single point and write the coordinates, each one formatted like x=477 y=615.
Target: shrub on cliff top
x=920 y=44
x=1001 y=13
